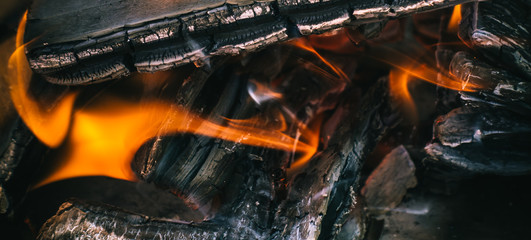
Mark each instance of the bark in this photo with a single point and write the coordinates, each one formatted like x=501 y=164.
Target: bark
x=104 y=40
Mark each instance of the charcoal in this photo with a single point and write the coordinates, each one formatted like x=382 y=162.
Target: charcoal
x=388 y=183
x=500 y=31
x=202 y=163
x=74 y=42
x=321 y=200
x=246 y=217
x=14 y=153
x=482 y=139
x=502 y=87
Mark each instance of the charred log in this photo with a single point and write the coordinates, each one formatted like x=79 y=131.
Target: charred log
x=482 y=139
x=322 y=198
x=500 y=31
x=489 y=134
x=105 y=40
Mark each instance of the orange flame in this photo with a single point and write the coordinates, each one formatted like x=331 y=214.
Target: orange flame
x=453 y=25
x=405 y=68
x=303 y=43
x=52 y=122
x=106 y=135
x=102 y=137
x=398 y=85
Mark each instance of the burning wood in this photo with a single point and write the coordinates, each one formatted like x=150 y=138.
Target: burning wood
x=263 y=151
x=168 y=34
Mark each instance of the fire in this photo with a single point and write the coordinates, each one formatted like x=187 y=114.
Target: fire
x=53 y=121
x=453 y=25
x=106 y=135
x=101 y=138
x=406 y=69
x=304 y=43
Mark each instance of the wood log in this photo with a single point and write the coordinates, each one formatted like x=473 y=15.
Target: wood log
x=74 y=42
x=319 y=203
x=18 y=158
x=482 y=139
x=322 y=197
x=500 y=31
x=503 y=88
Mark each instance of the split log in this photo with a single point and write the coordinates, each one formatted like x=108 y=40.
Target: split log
x=482 y=139
x=197 y=167
x=74 y=42
x=500 y=31
x=503 y=88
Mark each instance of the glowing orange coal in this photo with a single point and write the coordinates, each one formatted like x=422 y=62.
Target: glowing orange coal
x=101 y=138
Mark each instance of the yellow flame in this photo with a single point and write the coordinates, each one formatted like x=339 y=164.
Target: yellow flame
x=106 y=135
x=453 y=24
x=102 y=137
x=52 y=122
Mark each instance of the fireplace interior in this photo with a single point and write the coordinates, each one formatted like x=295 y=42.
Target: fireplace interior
x=265 y=120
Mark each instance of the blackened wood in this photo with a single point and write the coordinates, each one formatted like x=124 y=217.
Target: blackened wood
x=75 y=42
x=196 y=167
x=245 y=217
x=137 y=197
x=321 y=198
x=20 y=142
x=502 y=88
x=480 y=138
x=501 y=31
x=320 y=203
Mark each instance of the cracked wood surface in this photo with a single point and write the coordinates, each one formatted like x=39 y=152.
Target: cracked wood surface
x=79 y=42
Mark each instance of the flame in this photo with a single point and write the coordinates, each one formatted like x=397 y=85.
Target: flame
x=453 y=25
x=101 y=138
x=106 y=135
x=304 y=43
x=398 y=85
x=52 y=122
x=405 y=69
x=260 y=93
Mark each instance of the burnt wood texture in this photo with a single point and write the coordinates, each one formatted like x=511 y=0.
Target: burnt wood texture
x=490 y=132
x=79 y=42
x=320 y=202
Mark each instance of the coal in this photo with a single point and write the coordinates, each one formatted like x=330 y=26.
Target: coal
x=500 y=31
x=482 y=139
x=74 y=42
x=319 y=200
x=502 y=87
